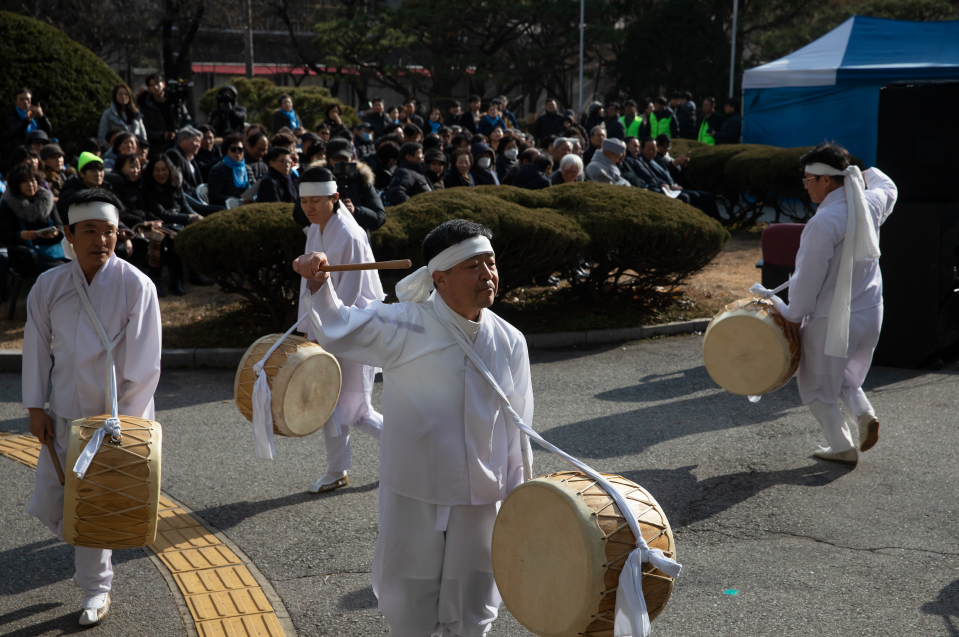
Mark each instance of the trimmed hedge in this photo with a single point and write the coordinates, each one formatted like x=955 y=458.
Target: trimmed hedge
x=631 y=237
x=70 y=83
x=260 y=97
x=250 y=251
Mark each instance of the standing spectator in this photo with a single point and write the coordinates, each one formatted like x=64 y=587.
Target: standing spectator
x=278 y=184
x=333 y=120
x=209 y=154
x=54 y=172
x=363 y=139
x=161 y=116
x=507 y=156
x=596 y=116
x=26 y=210
x=284 y=116
x=124 y=143
x=710 y=119
x=435 y=121
x=534 y=176
x=596 y=137
x=383 y=163
x=26 y=118
x=122 y=114
x=660 y=122
x=377 y=118
x=257 y=146
x=614 y=126
x=435 y=162
x=570 y=170
x=227 y=116
x=603 y=167
x=454 y=114
x=549 y=123
x=686 y=115
x=393 y=115
x=484 y=170
x=490 y=120
x=357 y=190
x=495 y=136
x=231 y=177
x=409 y=114
x=412 y=134
x=476 y=103
x=507 y=114
x=631 y=121
x=409 y=179
x=459 y=173
x=732 y=129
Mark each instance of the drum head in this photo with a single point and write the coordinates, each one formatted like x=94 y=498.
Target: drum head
x=548 y=558
x=745 y=355
x=305 y=401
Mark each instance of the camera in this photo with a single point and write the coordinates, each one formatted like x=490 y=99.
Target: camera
x=342 y=171
x=178 y=89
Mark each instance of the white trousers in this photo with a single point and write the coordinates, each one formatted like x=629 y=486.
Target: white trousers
x=338 y=454
x=94 y=566
x=353 y=409
x=430 y=581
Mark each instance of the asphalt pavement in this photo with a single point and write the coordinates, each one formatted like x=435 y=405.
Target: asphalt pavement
x=772 y=540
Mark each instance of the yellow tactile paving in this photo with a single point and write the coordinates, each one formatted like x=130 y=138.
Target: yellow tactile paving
x=214 y=580
x=245 y=601
x=220 y=592
x=264 y=625
x=193 y=537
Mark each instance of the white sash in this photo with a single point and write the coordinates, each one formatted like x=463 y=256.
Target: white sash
x=631 y=619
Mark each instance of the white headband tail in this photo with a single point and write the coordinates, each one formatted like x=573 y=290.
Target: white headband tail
x=318 y=189
x=418 y=286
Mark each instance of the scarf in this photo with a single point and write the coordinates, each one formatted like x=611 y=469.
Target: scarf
x=294 y=120
x=241 y=179
x=32 y=126
x=434 y=126
x=31 y=211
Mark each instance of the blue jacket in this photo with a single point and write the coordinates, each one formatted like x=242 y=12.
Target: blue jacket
x=486 y=125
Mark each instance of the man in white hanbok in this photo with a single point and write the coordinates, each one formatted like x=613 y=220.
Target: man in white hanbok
x=58 y=327
x=334 y=232
x=837 y=289
x=448 y=455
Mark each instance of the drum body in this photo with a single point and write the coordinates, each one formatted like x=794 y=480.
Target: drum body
x=115 y=505
x=559 y=545
x=304 y=382
x=746 y=351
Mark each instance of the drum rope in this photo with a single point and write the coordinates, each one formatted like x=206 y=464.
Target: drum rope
x=632 y=619
x=112 y=424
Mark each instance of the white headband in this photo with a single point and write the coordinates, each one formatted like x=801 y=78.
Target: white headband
x=417 y=286
x=93 y=211
x=317 y=189
x=824 y=169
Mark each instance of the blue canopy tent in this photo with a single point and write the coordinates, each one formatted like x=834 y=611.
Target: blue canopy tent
x=829 y=89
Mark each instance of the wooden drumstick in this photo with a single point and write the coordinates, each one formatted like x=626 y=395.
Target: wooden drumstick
x=56 y=461
x=377 y=265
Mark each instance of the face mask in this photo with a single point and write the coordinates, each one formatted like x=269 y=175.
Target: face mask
x=511 y=154
x=367 y=137
x=483 y=162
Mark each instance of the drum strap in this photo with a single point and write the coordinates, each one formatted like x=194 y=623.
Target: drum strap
x=112 y=424
x=771 y=295
x=632 y=620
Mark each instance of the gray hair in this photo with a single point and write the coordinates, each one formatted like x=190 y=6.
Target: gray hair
x=560 y=140
x=571 y=160
x=187 y=132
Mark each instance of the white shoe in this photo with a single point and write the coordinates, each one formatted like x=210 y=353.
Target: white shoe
x=93 y=616
x=868 y=431
x=329 y=482
x=844 y=457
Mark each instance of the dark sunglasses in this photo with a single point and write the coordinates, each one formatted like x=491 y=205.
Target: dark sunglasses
x=235 y=149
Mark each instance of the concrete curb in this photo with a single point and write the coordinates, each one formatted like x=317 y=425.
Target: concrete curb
x=11 y=360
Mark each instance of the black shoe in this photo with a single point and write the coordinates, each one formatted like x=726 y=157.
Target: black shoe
x=176 y=287
x=200 y=279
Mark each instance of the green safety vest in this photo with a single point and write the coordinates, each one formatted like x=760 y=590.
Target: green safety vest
x=633 y=129
x=658 y=126
x=703 y=137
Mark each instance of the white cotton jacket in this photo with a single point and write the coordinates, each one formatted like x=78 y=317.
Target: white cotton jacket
x=125 y=301
x=820 y=251
x=446 y=439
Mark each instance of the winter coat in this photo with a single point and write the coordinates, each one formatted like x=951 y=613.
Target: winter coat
x=615 y=129
x=732 y=130
x=602 y=170
x=378 y=121
x=548 y=124
x=220 y=185
x=17 y=128
x=167 y=205
x=275 y=187
x=130 y=194
x=486 y=125
x=686 y=120
x=158 y=118
x=10 y=227
x=382 y=176
x=531 y=177
x=503 y=165
x=408 y=181
x=368 y=209
x=207 y=159
x=483 y=177
x=190 y=176
x=112 y=120
x=454 y=179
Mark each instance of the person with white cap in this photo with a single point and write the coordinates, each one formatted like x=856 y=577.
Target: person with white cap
x=603 y=168
x=449 y=454
x=837 y=289
x=124 y=303
x=334 y=232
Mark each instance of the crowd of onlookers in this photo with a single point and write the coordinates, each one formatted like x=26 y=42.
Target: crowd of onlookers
x=169 y=173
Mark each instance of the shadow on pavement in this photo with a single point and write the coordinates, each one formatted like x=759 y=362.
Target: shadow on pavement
x=946 y=606
x=186 y=388
x=62 y=625
x=687 y=500
x=656 y=387
x=358 y=600
x=227 y=516
x=23 y=613
x=635 y=431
